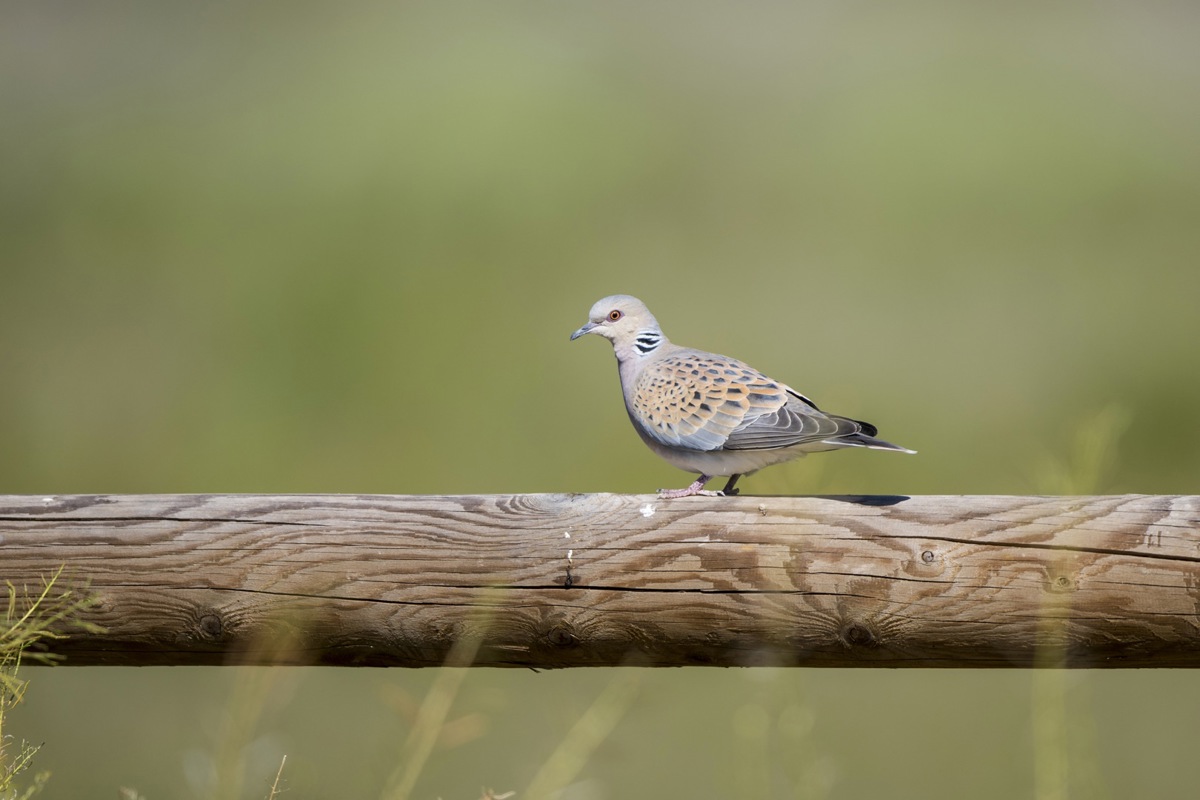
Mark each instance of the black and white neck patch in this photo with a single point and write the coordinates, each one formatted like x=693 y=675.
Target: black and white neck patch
x=647 y=342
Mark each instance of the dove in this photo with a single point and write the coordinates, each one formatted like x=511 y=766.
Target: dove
x=711 y=414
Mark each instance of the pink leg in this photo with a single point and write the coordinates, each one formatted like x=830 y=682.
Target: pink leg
x=697 y=487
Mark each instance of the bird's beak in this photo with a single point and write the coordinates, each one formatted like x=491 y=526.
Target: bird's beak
x=588 y=328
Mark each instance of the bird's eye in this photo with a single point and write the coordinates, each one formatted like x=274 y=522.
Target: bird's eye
x=614 y=315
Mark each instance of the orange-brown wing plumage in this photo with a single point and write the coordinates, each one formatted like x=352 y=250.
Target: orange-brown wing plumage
x=700 y=401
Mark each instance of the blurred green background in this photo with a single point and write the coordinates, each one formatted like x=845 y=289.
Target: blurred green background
x=308 y=247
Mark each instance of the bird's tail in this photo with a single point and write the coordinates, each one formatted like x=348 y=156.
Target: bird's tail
x=866 y=438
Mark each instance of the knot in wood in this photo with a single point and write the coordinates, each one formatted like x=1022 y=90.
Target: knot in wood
x=562 y=635
x=858 y=634
x=928 y=556
x=1061 y=583
x=211 y=626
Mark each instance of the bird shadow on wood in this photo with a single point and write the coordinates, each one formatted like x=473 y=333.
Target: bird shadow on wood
x=856 y=499
x=868 y=499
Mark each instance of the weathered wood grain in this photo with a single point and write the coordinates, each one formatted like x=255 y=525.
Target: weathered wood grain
x=593 y=580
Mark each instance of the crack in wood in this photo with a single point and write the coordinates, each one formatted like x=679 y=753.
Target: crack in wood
x=1064 y=548
x=73 y=520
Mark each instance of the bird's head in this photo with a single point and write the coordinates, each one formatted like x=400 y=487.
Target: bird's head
x=627 y=323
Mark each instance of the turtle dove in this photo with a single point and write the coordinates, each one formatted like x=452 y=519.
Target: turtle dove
x=709 y=413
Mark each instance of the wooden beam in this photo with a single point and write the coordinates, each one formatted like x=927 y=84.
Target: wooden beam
x=597 y=580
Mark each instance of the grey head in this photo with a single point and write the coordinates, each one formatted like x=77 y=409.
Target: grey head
x=627 y=323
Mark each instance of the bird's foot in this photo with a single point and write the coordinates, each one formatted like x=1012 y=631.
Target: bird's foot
x=670 y=494
x=697 y=488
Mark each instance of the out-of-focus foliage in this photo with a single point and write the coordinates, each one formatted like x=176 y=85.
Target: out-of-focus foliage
x=339 y=247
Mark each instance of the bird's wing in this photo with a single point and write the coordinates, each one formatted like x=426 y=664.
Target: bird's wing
x=796 y=422
x=701 y=401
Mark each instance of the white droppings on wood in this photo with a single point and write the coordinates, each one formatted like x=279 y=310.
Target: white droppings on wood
x=647 y=510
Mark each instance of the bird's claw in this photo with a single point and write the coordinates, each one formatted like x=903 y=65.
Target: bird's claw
x=696 y=489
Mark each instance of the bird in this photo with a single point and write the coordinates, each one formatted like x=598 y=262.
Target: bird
x=712 y=414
